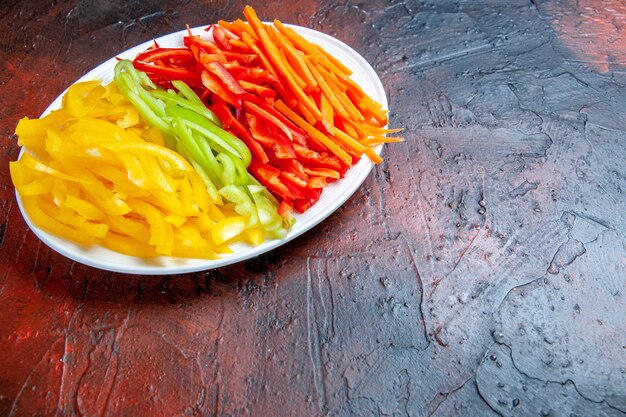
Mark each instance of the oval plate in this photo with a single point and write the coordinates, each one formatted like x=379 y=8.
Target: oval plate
x=333 y=196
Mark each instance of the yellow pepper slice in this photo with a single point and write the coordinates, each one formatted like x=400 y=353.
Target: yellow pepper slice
x=52 y=225
x=228 y=228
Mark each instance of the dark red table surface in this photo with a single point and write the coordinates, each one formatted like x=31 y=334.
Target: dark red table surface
x=479 y=271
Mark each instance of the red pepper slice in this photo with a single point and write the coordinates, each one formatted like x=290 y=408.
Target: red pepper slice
x=268 y=117
x=225 y=77
x=212 y=83
x=221 y=38
x=257 y=89
x=294 y=179
x=297 y=192
x=229 y=121
x=166 y=54
x=319 y=159
x=206 y=45
x=271 y=139
x=203 y=57
x=171 y=73
x=290 y=165
x=256 y=75
x=311 y=197
x=298 y=135
x=269 y=176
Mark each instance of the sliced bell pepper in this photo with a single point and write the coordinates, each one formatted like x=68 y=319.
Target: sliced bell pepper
x=165 y=71
x=225 y=77
x=230 y=122
x=273 y=140
x=221 y=37
x=213 y=84
x=176 y=55
x=219 y=157
x=94 y=182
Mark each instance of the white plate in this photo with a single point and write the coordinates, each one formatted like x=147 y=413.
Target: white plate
x=331 y=199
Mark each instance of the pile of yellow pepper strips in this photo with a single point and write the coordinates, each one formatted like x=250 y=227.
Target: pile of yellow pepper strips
x=94 y=172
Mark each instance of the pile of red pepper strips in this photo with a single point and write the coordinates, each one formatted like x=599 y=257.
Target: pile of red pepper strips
x=293 y=104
